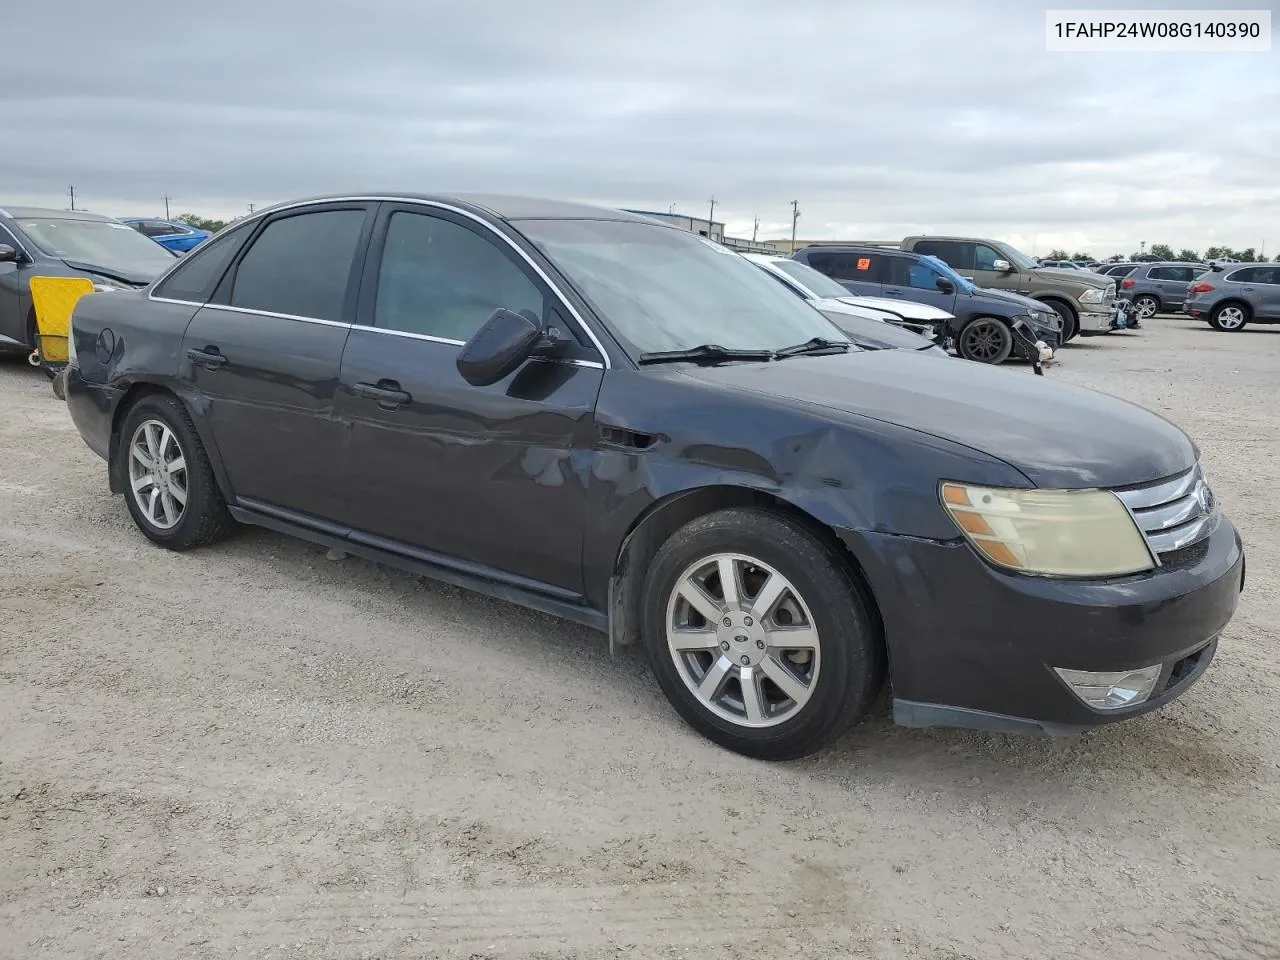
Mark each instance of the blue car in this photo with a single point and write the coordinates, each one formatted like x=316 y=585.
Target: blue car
x=178 y=237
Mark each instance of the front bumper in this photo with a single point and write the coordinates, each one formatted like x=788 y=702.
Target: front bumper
x=973 y=646
x=1099 y=320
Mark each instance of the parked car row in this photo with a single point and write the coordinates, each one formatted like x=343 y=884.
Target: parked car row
x=615 y=421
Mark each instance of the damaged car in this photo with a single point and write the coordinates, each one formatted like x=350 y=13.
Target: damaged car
x=620 y=423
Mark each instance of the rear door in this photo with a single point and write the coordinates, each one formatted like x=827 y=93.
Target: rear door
x=15 y=295
x=264 y=354
x=915 y=280
x=484 y=475
x=1263 y=292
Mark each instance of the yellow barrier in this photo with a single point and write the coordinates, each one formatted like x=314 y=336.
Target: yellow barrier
x=54 y=299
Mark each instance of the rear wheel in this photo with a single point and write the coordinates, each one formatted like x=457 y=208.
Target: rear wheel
x=985 y=340
x=168 y=481
x=1229 y=317
x=759 y=635
x=1147 y=306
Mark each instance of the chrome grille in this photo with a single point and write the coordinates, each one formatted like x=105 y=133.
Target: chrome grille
x=1172 y=514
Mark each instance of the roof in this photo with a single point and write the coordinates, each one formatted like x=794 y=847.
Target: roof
x=48 y=213
x=501 y=206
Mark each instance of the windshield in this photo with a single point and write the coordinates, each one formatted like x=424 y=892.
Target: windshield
x=1020 y=259
x=818 y=284
x=944 y=268
x=662 y=289
x=102 y=243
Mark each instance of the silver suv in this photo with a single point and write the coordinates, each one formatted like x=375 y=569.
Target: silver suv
x=1234 y=294
x=1159 y=287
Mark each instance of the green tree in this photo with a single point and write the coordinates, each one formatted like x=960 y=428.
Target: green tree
x=1162 y=250
x=1216 y=253
x=1186 y=253
x=1277 y=259
x=202 y=223
x=1057 y=255
x=1115 y=258
x=1247 y=255
x=1081 y=256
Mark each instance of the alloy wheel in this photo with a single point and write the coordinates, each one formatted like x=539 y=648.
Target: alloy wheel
x=158 y=474
x=1231 y=318
x=1146 y=307
x=743 y=640
x=984 y=341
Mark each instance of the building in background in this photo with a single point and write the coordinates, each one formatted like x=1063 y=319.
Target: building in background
x=711 y=229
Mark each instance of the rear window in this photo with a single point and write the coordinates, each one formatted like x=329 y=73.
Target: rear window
x=197 y=276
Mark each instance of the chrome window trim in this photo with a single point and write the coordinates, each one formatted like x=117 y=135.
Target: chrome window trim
x=588 y=364
x=435 y=205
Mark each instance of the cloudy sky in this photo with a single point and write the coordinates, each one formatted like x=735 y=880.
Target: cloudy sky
x=881 y=118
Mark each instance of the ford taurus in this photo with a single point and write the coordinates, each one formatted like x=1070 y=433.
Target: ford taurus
x=623 y=424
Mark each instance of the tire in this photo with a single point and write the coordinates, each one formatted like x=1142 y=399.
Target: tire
x=832 y=662
x=985 y=340
x=1070 y=322
x=1148 y=306
x=1229 y=317
x=161 y=421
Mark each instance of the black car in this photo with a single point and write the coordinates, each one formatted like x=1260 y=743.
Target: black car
x=626 y=425
x=981 y=329
x=35 y=242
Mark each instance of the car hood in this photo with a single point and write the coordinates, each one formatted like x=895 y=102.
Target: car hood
x=875 y=334
x=134 y=274
x=1057 y=435
x=906 y=308
x=1004 y=296
x=1082 y=277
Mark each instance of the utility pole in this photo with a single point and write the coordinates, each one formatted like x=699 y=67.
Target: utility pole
x=73 y=196
x=166 y=207
x=251 y=208
x=711 y=220
x=1142 y=247
x=755 y=227
x=795 y=215
x=672 y=209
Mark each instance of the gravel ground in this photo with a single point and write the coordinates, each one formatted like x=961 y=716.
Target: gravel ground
x=254 y=751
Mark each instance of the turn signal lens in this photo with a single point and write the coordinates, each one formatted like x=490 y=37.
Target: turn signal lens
x=1064 y=533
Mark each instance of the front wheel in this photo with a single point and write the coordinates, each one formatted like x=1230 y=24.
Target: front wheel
x=759 y=634
x=1070 y=324
x=169 y=484
x=985 y=340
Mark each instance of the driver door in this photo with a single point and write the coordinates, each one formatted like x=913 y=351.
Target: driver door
x=916 y=281
x=488 y=476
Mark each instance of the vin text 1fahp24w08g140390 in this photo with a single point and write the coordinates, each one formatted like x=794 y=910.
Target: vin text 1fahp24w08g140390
x=626 y=425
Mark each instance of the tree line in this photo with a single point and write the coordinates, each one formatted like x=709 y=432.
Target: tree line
x=1166 y=252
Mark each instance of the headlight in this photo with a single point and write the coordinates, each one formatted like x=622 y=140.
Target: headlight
x=105 y=284
x=1064 y=533
x=1092 y=295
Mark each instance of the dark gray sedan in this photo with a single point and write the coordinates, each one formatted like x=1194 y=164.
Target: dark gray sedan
x=1234 y=294
x=615 y=421
x=36 y=242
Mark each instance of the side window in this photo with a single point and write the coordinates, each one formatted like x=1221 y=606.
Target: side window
x=950 y=252
x=920 y=275
x=157 y=228
x=441 y=279
x=863 y=267
x=300 y=265
x=1162 y=273
x=198 y=275
x=823 y=262
x=984 y=257
x=1246 y=275
x=1268 y=275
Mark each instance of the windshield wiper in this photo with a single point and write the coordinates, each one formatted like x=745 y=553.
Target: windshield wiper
x=816 y=345
x=704 y=353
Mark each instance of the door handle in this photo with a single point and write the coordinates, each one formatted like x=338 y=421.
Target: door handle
x=893 y=292
x=386 y=392
x=210 y=357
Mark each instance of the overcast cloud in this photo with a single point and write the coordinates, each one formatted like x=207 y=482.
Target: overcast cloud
x=881 y=118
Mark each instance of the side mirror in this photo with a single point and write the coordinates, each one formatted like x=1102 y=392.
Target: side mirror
x=8 y=254
x=1004 y=266
x=495 y=350
x=945 y=285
